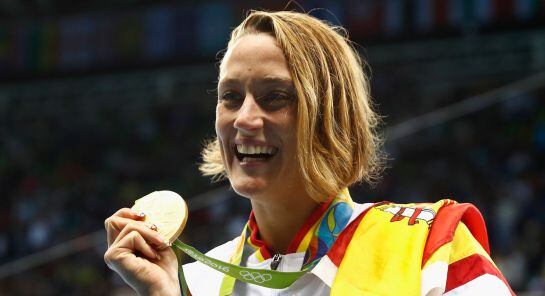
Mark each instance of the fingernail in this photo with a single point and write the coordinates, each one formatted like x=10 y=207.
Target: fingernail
x=151 y=226
x=139 y=214
x=157 y=256
x=167 y=243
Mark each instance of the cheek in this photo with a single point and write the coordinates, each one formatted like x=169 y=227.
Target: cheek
x=221 y=134
x=289 y=124
x=221 y=123
x=291 y=133
x=224 y=128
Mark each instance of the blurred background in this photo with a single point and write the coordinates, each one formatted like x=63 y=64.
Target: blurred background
x=102 y=102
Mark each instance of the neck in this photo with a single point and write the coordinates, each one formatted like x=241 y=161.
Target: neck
x=279 y=222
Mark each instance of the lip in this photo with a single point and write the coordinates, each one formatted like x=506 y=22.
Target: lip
x=254 y=163
x=253 y=142
x=251 y=164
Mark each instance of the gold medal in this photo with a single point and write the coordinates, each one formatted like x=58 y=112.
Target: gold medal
x=167 y=210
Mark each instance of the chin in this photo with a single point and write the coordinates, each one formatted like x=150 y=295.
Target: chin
x=248 y=187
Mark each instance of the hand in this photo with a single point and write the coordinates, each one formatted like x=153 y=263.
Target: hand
x=139 y=254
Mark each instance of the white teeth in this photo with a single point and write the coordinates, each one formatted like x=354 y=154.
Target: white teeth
x=250 y=149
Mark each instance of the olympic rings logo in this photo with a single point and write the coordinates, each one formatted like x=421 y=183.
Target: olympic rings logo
x=255 y=276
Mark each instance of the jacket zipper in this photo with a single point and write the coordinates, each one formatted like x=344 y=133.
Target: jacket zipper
x=276 y=261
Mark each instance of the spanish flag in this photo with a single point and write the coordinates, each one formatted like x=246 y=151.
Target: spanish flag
x=416 y=249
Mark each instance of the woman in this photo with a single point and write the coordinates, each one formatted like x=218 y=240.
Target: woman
x=295 y=128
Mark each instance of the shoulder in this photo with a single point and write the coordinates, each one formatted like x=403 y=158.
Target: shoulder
x=437 y=222
x=444 y=214
x=465 y=265
x=427 y=225
x=203 y=280
x=440 y=245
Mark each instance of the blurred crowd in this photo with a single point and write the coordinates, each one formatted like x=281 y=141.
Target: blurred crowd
x=86 y=36
x=65 y=169
x=73 y=152
x=494 y=159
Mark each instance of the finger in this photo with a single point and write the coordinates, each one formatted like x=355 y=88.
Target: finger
x=125 y=249
x=114 y=225
x=135 y=242
x=168 y=260
x=129 y=213
x=151 y=236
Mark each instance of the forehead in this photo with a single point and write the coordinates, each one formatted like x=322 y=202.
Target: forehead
x=254 y=55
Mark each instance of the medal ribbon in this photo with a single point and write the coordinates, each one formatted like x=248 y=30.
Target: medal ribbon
x=316 y=242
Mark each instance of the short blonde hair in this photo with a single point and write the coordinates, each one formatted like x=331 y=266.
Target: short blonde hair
x=338 y=144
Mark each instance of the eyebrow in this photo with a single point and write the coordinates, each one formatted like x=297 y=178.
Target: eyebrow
x=276 y=79
x=264 y=80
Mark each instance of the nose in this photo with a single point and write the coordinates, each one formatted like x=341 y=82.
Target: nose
x=249 y=118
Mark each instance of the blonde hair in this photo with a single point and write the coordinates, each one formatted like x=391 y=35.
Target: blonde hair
x=338 y=143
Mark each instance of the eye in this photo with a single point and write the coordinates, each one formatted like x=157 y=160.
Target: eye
x=276 y=99
x=231 y=99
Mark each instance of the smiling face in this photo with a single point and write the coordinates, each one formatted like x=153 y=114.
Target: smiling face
x=256 y=119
